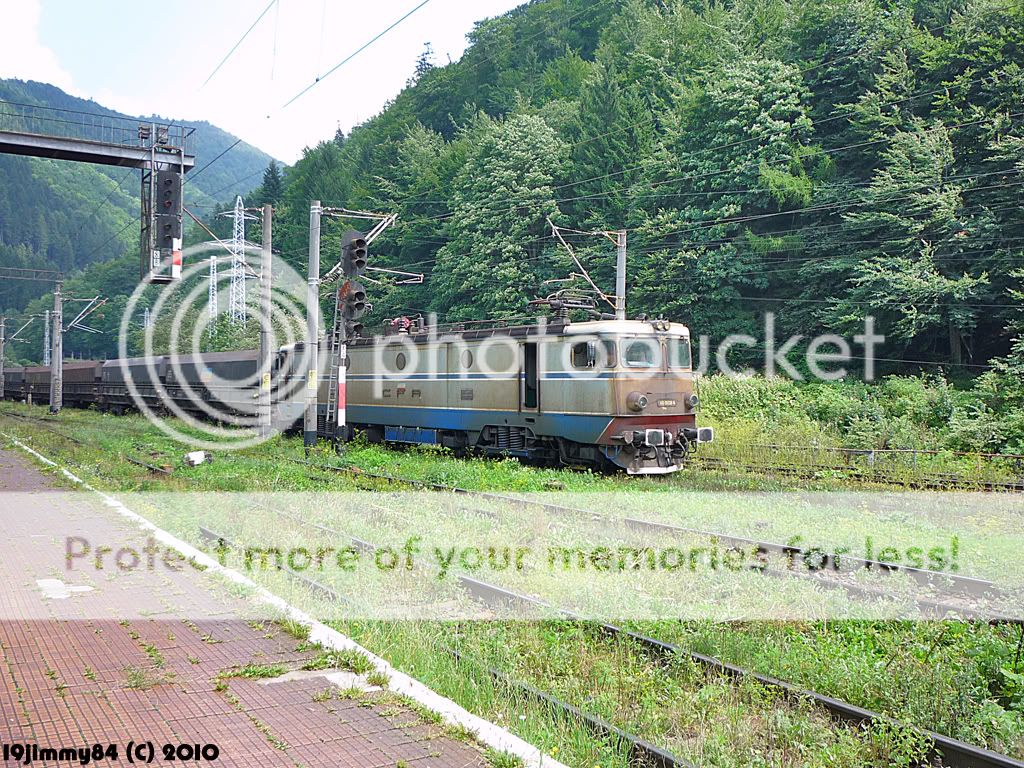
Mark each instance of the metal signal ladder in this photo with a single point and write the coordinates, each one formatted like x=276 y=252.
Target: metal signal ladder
x=335 y=341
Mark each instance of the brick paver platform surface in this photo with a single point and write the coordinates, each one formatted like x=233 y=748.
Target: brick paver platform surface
x=75 y=672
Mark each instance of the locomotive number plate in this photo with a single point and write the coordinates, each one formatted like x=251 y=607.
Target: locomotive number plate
x=666 y=403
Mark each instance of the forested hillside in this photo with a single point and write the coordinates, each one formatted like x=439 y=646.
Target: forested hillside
x=823 y=161
x=68 y=216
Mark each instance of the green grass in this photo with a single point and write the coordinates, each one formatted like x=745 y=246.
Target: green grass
x=350 y=660
x=949 y=676
x=140 y=678
x=678 y=706
x=259 y=671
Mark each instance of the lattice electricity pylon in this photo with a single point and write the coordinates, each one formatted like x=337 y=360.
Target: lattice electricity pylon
x=239 y=268
x=211 y=294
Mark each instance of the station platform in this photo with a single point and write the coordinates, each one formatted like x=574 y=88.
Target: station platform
x=190 y=673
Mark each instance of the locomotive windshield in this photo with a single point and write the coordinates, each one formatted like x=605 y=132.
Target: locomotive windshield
x=642 y=353
x=679 y=355
x=589 y=354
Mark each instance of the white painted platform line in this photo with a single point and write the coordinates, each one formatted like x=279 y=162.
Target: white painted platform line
x=487 y=733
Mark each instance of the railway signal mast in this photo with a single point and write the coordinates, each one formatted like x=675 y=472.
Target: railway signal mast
x=161 y=222
x=349 y=305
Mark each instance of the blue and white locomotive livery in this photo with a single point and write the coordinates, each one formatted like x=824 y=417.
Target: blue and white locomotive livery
x=607 y=394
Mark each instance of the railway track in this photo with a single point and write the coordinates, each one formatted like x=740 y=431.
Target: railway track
x=43 y=424
x=826 y=575
x=822 y=567
x=933 y=482
x=813 y=470
x=642 y=753
x=952 y=752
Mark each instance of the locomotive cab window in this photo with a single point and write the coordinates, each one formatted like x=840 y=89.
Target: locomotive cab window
x=584 y=354
x=679 y=355
x=642 y=353
x=594 y=354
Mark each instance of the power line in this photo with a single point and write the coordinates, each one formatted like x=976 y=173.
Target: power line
x=213 y=195
x=754 y=163
x=106 y=199
x=351 y=56
x=192 y=177
x=104 y=244
x=571 y=18
x=235 y=46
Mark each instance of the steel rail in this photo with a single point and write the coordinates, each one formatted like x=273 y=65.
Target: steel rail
x=42 y=425
x=312 y=584
x=968 y=584
x=934 y=481
x=150 y=467
x=642 y=753
x=963 y=755
x=954 y=752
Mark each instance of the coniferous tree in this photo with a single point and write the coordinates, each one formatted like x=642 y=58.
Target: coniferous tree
x=273 y=184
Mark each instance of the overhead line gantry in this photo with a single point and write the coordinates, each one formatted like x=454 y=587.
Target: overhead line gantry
x=162 y=151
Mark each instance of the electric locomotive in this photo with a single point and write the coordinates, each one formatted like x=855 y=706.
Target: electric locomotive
x=612 y=394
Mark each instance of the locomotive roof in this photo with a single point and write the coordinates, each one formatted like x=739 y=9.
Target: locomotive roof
x=613 y=327
x=555 y=328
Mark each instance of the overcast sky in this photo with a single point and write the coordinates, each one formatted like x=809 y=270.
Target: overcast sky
x=153 y=57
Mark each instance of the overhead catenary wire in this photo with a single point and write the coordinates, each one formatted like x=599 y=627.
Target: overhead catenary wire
x=754 y=163
x=237 y=44
x=194 y=174
x=838 y=113
x=592 y=7
x=352 y=55
x=834 y=207
x=838 y=206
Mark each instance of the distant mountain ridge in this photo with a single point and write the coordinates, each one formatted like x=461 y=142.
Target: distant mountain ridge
x=66 y=216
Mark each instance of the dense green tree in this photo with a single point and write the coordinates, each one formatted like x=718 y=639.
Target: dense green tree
x=918 y=274
x=735 y=156
x=824 y=161
x=494 y=260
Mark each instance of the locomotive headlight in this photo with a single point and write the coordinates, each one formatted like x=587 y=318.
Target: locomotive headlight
x=693 y=401
x=636 y=401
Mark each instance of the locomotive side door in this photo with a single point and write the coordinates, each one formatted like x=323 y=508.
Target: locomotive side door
x=529 y=379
